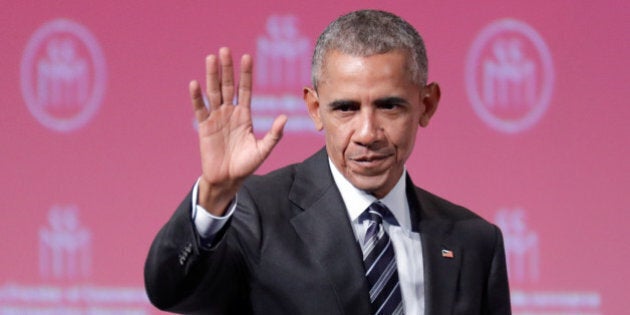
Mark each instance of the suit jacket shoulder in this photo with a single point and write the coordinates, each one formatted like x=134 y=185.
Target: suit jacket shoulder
x=463 y=255
x=290 y=235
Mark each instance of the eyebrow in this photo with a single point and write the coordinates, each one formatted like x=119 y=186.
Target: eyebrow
x=379 y=102
x=338 y=103
x=390 y=100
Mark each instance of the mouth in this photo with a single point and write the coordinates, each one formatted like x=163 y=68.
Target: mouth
x=370 y=161
x=370 y=158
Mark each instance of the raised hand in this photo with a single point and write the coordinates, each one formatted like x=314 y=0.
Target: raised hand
x=229 y=149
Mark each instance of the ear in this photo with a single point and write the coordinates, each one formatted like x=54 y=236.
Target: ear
x=312 y=104
x=430 y=98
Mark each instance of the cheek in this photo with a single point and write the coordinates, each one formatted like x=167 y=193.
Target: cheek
x=337 y=140
x=404 y=139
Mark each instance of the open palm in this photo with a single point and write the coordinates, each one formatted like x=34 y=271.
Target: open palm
x=229 y=148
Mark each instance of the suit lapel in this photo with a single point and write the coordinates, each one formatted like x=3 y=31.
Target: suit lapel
x=324 y=227
x=441 y=271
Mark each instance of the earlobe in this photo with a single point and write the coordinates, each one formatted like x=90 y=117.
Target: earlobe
x=430 y=99
x=312 y=104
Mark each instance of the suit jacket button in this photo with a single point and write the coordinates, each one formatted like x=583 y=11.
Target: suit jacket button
x=183 y=256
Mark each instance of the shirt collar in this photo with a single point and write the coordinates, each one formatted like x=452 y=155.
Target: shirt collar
x=357 y=200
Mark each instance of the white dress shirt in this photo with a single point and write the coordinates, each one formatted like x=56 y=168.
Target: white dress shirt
x=407 y=244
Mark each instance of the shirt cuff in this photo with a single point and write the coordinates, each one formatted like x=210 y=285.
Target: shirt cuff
x=208 y=225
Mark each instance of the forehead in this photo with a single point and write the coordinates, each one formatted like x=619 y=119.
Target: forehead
x=387 y=70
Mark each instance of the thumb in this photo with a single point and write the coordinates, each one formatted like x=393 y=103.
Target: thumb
x=274 y=134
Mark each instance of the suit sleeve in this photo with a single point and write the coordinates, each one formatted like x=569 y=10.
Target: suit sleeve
x=498 y=291
x=181 y=276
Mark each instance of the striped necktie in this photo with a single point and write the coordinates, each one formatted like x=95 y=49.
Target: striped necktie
x=380 y=264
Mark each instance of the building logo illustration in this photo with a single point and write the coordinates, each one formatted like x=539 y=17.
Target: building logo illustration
x=63 y=75
x=68 y=283
x=509 y=76
x=283 y=57
x=521 y=246
x=282 y=54
x=65 y=246
x=522 y=251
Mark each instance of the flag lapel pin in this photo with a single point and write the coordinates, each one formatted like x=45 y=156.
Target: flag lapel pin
x=447 y=253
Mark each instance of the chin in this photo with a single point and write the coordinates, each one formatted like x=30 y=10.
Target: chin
x=369 y=184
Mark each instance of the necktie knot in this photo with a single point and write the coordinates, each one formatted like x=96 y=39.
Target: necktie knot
x=377 y=211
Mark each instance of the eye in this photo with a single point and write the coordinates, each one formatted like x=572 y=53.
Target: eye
x=390 y=103
x=345 y=108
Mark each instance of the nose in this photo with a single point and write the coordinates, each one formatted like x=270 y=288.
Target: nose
x=367 y=132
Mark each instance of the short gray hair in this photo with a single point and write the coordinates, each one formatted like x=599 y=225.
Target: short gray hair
x=370 y=32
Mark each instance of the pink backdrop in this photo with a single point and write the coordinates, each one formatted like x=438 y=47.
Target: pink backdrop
x=98 y=144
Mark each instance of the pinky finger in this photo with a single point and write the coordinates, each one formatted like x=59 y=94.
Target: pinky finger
x=196 y=97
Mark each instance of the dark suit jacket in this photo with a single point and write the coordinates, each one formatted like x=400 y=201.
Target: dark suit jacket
x=290 y=249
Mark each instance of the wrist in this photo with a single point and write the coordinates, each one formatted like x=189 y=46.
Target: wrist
x=216 y=197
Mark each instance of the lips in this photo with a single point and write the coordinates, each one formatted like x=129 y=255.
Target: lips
x=372 y=161
x=369 y=158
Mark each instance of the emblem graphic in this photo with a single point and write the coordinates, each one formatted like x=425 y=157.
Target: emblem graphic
x=282 y=55
x=63 y=75
x=65 y=246
x=282 y=70
x=509 y=76
x=521 y=245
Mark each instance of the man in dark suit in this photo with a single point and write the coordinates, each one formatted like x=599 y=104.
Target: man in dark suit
x=297 y=240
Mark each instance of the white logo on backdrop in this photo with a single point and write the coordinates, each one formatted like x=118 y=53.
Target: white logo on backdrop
x=282 y=56
x=65 y=265
x=63 y=75
x=282 y=69
x=509 y=76
x=65 y=246
x=521 y=245
x=522 y=249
